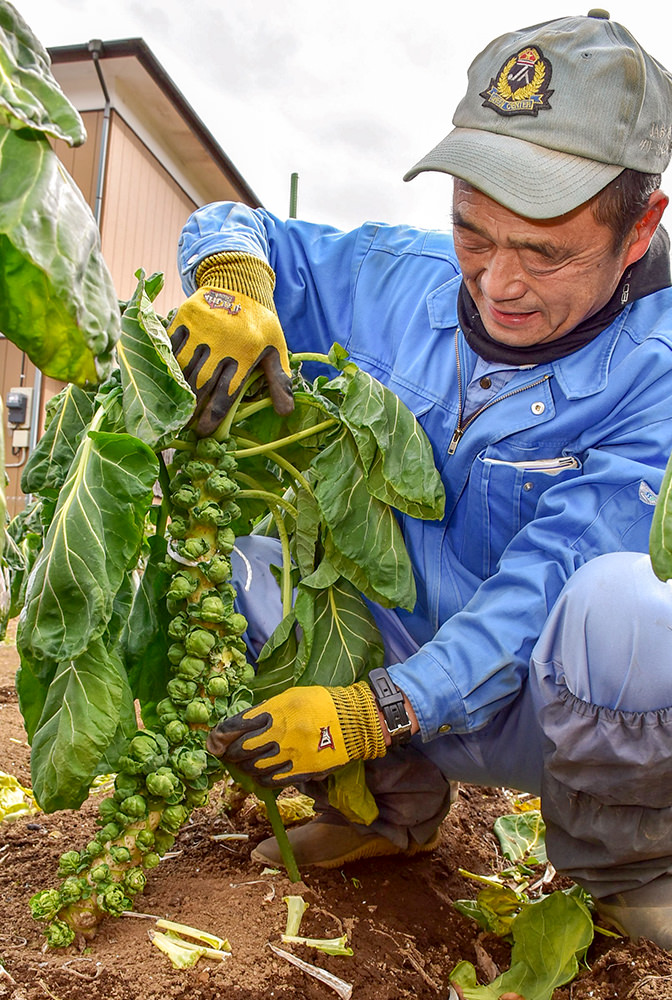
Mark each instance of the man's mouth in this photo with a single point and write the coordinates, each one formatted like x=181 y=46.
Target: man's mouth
x=509 y=317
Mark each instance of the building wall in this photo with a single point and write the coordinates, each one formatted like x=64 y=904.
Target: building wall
x=143 y=211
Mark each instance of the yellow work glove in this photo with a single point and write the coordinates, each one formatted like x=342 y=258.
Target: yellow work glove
x=223 y=331
x=303 y=733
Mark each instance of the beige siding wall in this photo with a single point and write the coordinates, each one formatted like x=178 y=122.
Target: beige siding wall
x=82 y=162
x=144 y=211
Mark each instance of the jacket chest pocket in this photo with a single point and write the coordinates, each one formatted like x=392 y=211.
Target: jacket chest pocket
x=500 y=499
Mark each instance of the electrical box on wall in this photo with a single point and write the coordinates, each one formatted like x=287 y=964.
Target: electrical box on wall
x=18 y=407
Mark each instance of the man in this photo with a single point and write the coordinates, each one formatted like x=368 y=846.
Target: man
x=535 y=349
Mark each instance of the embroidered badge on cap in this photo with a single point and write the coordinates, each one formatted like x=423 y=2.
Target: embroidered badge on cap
x=221 y=300
x=326 y=739
x=521 y=87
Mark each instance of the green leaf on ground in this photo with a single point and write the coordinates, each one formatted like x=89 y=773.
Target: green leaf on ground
x=522 y=835
x=550 y=937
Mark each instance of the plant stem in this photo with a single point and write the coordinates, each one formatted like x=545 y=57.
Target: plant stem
x=267 y=796
x=263 y=449
x=272 y=499
x=164 y=511
x=224 y=428
x=323 y=358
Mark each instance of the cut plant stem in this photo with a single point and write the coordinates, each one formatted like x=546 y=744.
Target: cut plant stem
x=268 y=797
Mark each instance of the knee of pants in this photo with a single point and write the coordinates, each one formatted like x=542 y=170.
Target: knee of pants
x=608 y=638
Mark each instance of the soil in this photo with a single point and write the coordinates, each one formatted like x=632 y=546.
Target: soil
x=397 y=912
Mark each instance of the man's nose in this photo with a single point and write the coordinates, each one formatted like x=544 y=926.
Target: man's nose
x=502 y=277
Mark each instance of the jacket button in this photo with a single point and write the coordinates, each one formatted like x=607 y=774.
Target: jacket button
x=528 y=486
x=538 y=408
x=444 y=729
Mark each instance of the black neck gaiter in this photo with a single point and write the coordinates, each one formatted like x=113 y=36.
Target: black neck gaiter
x=645 y=276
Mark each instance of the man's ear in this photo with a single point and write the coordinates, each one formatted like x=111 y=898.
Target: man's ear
x=643 y=230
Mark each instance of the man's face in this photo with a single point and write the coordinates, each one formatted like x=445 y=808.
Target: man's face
x=533 y=280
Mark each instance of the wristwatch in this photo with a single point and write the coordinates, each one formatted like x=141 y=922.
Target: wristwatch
x=390 y=701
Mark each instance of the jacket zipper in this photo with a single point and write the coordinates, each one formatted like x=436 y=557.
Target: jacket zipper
x=461 y=428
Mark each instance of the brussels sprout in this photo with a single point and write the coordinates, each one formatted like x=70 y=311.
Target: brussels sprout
x=174 y=817
x=45 y=905
x=218 y=569
x=196 y=797
x=120 y=855
x=176 y=732
x=107 y=809
x=213 y=609
x=179 y=626
x=210 y=514
x=237 y=623
x=166 y=710
x=207 y=447
x=175 y=652
x=94 y=849
x=113 y=900
x=178 y=527
x=146 y=752
x=109 y=832
x=186 y=497
x=164 y=841
x=219 y=485
x=134 y=806
x=59 y=934
x=182 y=586
x=125 y=785
x=181 y=457
x=151 y=860
x=198 y=470
x=144 y=840
x=232 y=509
x=197 y=712
x=199 y=642
x=69 y=863
x=163 y=783
x=181 y=691
x=134 y=881
x=189 y=763
x=100 y=873
x=227 y=463
x=226 y=539
x=200 y=784
x=71 y=890
x=218 y=686
x=190 y=668
x=220 y=709
x=247 y=674
x=193 y=548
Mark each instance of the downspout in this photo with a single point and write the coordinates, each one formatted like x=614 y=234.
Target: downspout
x=96 y=49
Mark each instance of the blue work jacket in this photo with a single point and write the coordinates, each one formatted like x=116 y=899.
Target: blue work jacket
x=561 y=466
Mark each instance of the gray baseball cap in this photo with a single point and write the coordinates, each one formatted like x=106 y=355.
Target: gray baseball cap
x=555 y=112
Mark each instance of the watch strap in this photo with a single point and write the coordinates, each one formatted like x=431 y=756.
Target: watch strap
x=390 y=701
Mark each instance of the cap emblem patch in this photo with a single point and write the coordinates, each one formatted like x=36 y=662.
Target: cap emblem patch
x=521 y=86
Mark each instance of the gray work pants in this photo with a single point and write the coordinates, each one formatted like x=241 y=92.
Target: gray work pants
x=590 y=731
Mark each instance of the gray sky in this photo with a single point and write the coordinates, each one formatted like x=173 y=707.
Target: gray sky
x=348 y=94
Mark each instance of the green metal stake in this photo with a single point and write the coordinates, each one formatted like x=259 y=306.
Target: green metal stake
x=293 y=195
